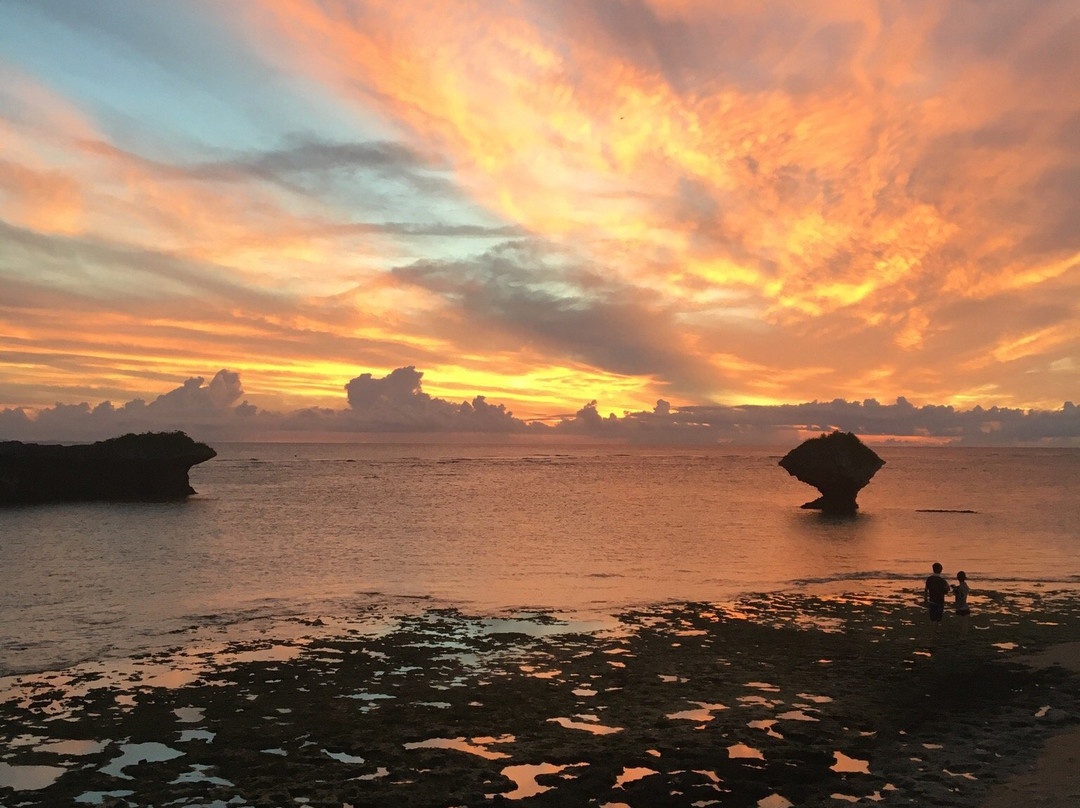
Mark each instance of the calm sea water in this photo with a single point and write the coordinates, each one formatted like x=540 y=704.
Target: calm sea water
x=305 y=531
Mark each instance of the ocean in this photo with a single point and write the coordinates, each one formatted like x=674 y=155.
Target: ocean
x=321 y=533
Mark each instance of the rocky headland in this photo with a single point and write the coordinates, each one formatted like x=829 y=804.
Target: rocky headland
x=151 y=467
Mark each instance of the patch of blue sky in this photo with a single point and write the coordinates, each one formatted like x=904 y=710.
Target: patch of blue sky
x=401 y=200
x=420 y=209
x=168 y=82
x=443 y=248
x=172 y=82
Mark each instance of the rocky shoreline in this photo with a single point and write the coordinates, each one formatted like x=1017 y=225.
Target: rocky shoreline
x=780 y=699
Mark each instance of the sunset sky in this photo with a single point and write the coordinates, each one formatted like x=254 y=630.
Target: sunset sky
x=545 y=203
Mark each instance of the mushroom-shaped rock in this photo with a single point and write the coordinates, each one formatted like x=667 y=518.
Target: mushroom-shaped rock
x=152 y=467
x=838 y=465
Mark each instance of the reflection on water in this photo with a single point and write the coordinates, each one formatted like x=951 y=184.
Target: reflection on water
x=29 y=778
x=767 y=725
x=742 y=751
x=590 y=723
x=132 y=754
x=189 y=715
x=303 y=535
x=74 y=748
x=524 y=778
x=796 y=715
x=763 y=686
x=475 y=746
x=775 y=801
x=98 y=797
x=198 y=774
x=704 y=712
x=343 y=757
x=633 y=773
x=846 y=764
x=188 y=735
x=164 y=670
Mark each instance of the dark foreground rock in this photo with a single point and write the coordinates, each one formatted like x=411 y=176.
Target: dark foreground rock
x=152 y=467
x=838 y=465
x=775 y=701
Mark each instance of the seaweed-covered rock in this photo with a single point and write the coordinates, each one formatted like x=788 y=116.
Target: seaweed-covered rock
x=152 y=467
x=838 y=465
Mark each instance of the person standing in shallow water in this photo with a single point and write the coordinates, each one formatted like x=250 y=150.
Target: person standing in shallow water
x=936 y=589
x=960 y=593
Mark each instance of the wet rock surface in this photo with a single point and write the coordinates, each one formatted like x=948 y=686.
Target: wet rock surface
x=774 y=700
x=152 y=467
x=838 y=465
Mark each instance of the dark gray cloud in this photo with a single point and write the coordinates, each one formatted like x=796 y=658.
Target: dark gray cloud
x=372 y=176
x=204 y=409
x=538 y=297
x=103 y=270
x=297 y=162
x=396 y=403
x=298 y=157
x=765 y=425
x=195 y=397
x=375 y=177
x=427 y=229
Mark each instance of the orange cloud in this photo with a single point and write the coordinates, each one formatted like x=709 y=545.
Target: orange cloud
x=748 y=200
x=527 y=122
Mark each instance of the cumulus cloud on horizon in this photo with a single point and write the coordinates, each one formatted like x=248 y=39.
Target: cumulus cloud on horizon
x=396 y=404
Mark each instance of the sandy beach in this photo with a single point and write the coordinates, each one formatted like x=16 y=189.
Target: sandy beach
x=1053 y=781
x=801 y=699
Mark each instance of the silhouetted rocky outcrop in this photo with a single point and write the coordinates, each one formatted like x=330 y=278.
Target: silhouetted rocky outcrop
x=838 y=465
x=152 y=467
